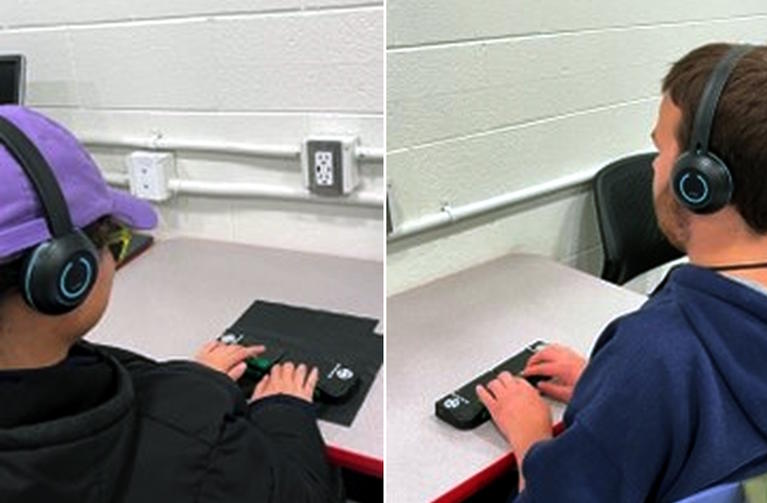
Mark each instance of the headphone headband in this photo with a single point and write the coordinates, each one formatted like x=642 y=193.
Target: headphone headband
x=58 y=274
x=709 y=100
x=32 y=162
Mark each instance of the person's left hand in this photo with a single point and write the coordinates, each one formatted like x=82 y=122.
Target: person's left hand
x=227 y=358
x=287 y=379
x=518 y=411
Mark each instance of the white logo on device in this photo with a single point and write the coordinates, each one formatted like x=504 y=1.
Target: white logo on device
x=342 y=373
x=452 y=403
x=231 y=338
x=345 y=374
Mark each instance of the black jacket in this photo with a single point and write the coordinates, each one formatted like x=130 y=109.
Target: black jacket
x=142 y=431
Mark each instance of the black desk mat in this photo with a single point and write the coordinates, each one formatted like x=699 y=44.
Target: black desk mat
x=308 y=335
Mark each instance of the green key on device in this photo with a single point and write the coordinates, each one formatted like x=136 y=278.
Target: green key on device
x=258 y=365
x=263 y=363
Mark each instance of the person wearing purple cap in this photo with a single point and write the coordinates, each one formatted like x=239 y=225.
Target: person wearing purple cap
x=84 y=422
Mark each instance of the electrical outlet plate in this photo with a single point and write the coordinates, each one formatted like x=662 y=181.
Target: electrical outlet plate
x=148 y=174
x=329 y=164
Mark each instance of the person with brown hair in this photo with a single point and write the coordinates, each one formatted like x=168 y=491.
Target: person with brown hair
x=674 y=397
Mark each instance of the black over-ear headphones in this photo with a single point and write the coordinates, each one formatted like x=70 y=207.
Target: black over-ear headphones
x=701 y=181
x=58 y=274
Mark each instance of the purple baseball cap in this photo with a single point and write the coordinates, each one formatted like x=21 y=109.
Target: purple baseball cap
x=22 y=224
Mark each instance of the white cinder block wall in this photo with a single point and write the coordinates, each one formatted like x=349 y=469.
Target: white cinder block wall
x=486 y=98
x=258 y=72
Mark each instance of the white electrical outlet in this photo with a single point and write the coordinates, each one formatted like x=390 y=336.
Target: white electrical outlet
x=329 y=164
x=148 y=174
x=323 y=168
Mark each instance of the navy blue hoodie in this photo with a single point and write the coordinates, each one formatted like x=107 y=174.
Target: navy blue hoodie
x=673 y=400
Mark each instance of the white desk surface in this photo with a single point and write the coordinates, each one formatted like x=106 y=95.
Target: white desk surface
x=443 y=334
x=182 y=293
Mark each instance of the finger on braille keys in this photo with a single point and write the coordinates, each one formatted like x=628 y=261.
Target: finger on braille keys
x=505 y=377
x=261 y=386
x=496 y=386
x=485 y=397
x=300 y=375
x=311 y=381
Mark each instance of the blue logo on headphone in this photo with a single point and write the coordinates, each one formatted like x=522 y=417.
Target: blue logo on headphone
x=80 y=289
x=687 y=196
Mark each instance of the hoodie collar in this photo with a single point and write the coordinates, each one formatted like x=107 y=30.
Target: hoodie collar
x=81 y=425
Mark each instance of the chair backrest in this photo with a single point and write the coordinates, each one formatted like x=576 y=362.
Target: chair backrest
x=725 y=493
x=631 y=240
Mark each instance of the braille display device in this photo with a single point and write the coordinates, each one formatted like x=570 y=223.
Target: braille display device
x=463 y=409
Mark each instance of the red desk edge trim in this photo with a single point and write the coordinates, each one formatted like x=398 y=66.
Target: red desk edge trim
x=356 y=461
x=473 y=484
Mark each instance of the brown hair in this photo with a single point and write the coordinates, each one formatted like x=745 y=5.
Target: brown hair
x=739 y=132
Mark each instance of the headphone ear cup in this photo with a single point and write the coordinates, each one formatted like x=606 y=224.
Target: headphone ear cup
x=701 y=183
x=59 y=274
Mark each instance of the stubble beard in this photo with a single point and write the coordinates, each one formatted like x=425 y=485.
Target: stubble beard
x=672 y=219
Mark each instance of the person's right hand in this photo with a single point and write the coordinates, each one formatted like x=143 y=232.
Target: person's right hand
x=563 y=365
x=227 y=358
x=287 y=379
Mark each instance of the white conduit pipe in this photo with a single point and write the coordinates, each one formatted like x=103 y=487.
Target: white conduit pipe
x=255 y=190
x=365 y=154
x=450 y=215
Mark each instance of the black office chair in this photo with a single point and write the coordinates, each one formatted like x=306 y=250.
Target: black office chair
x=631 y=240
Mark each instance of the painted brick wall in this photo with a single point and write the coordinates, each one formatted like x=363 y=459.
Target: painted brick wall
x=243 y=71
x=490 y=97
